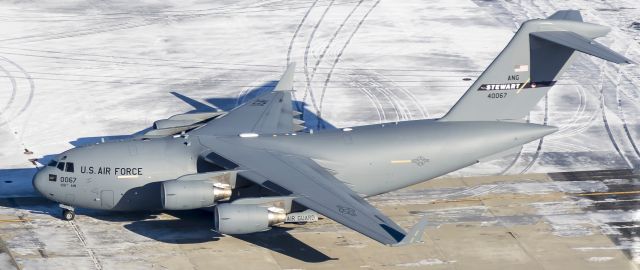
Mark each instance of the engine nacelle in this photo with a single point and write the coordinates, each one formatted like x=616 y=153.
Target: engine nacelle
x=186 y=195
x=183 y=120
x=166 y=123
x=245 y=218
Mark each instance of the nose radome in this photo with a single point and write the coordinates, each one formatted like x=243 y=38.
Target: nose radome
x=39 y=181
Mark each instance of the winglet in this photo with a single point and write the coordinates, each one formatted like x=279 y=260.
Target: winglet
x=286 y=81
x=415 y=234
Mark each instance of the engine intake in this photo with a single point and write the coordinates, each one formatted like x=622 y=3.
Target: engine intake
x=186 y=195
x=245 y=218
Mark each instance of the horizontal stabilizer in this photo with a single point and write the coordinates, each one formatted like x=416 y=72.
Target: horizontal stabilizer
x=567 y=15
x=579 y=43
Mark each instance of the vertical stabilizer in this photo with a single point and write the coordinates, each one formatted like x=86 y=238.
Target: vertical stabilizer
x=529 y=66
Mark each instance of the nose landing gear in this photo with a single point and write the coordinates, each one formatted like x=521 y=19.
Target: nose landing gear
x=68 y=213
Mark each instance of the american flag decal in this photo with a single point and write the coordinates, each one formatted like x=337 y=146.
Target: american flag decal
x=521 y=68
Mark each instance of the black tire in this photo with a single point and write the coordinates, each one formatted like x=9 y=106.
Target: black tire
x=68 y=215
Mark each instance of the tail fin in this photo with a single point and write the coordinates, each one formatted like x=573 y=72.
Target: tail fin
x=529 y=66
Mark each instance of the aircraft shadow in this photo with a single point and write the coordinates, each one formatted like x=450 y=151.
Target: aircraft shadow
x=196 y=226
x=189 y=227
x=34 y=205
x=17 y=183
x=312 y=121
x=279 y=240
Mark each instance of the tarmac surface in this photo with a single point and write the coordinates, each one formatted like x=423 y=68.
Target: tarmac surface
x=577 y=220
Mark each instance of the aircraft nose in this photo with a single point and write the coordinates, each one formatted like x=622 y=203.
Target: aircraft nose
x=38 y=181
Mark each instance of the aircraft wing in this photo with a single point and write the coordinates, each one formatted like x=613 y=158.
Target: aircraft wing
x=313 y=187
x=271 y=112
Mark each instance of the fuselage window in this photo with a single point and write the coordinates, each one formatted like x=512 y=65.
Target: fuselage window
x=69 y=167
x=52 y=163
x=61 y=166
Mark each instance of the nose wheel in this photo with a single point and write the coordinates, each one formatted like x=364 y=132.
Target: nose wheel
x=68 y=212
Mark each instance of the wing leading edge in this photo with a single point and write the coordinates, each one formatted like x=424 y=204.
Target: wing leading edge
x=313 y=187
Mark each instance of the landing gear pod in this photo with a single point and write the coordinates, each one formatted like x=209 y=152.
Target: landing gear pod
x=186 y=195
x=243 y=218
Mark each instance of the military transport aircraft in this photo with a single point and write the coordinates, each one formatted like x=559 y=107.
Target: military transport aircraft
x=257 y=166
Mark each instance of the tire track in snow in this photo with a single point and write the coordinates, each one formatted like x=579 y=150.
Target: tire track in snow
x=603 y=75
x=290 y=49
x=32 y=87
x=409 y=94
x=326 y=48
x=297 y=31
x=382 y=117
x=308 y=90
x=340 y=53
x=396 y=105
x=606 y=122
x=619 y=103
x=539 y=148
x=7 y=119
x=14 y=89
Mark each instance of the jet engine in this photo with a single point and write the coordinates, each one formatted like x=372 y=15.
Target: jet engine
x=179 y=123
x=245 y=218
x=185 y=195
x=183 y=120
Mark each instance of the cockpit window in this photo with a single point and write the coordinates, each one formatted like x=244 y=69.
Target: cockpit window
x=61 y=166
x=69 y=167
x=52 y=163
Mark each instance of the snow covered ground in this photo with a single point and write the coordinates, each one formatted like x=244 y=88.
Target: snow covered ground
x=76 y=72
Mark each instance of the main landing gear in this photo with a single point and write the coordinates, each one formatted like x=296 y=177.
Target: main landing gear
x=68 y=213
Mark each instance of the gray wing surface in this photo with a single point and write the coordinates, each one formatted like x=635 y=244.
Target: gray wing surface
x=313 y=187
x=271 y=112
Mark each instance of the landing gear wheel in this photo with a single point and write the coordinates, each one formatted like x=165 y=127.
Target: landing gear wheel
x=68 y=214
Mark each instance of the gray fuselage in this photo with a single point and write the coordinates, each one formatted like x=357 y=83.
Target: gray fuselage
x=375 y=159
